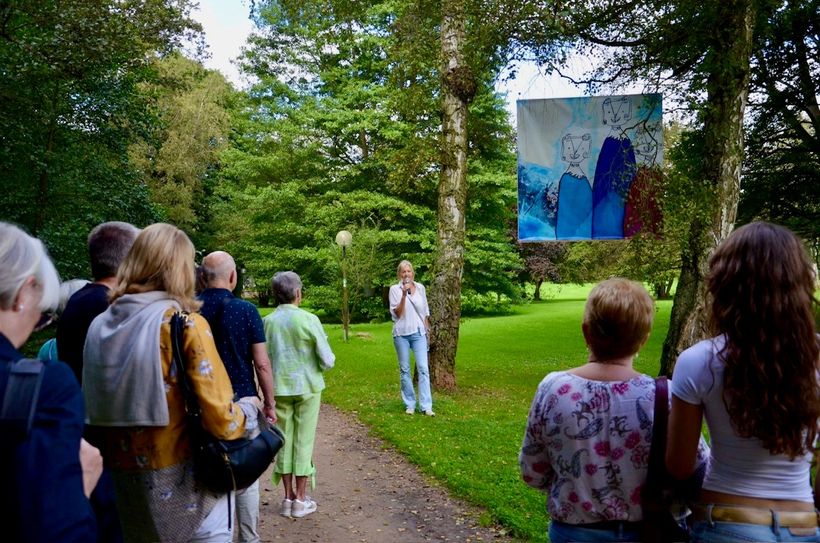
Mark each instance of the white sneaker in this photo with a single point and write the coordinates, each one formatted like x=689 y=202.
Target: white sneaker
x=429 y=413
x=410 y=411
x=287 y=507
x=303 y=508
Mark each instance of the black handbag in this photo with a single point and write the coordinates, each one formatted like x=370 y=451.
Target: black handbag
x=664 y=499
x=221 y=465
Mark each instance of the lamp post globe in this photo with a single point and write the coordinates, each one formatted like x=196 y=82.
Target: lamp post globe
x=344 y=239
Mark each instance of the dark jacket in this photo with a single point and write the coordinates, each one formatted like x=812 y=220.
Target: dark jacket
x=41 y=482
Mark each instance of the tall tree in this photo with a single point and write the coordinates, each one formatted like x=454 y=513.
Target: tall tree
x=458 y=87
x=727 y=88
x=703 y=50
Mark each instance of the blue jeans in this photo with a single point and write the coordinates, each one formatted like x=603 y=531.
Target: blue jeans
x=624 y=532
x=728 y=532
x=403 y=344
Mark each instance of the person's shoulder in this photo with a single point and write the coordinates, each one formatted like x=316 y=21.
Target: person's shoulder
x=308 y=317
x=700 y=353
x=555 y=378
x=196 y=319
x=307 y=314
x=91 y=298
x=244 y=305
x=58 y=382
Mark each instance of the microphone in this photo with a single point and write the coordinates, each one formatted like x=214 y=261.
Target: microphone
x=404 y=283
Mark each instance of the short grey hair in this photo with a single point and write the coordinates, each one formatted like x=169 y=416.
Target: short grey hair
x=108 y=244
x=23 y=256
x=285 y=285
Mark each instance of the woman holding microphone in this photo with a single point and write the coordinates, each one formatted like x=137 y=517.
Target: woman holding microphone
x=410 y=313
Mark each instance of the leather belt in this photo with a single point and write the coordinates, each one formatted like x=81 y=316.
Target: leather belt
x=751 y=515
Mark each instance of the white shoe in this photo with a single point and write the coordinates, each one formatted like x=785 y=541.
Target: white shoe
x=429 y=413
x=287 y=507
x=410 y=411
x=303 y=508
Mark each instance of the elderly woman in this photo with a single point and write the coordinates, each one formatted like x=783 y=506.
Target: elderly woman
x=136 y=407
x=589 y=428
x=299 y=354
x=756 y=385
x=410 y=313
x=43 y=487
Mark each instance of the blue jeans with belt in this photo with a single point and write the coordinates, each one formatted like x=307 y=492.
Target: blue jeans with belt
x=418 y=343
x=712 y=531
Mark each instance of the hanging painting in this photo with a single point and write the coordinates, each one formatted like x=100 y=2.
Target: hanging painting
x=589 y=168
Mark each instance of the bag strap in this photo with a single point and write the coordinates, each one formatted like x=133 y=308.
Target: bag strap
x=21 y=395
x=657 y=452
x=415 y=308
x=178 y=323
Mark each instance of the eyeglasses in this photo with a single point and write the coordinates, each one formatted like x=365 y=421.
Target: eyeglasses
x=45 y=320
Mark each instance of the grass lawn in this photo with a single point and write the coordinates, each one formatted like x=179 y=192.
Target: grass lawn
x=472 y=445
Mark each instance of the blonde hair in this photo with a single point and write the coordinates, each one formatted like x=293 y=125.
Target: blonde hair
x=23 y=256
x=404 y=263
x=617 y=318
x=162 y=258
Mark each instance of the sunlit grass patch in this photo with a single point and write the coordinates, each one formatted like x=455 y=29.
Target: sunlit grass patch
x=471 y=446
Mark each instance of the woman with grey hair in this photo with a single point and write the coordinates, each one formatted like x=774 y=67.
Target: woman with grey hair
x=411 y=324
x=47 y=470
x=299 y=354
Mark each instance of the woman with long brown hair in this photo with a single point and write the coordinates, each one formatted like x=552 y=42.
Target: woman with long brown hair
x=756 y=383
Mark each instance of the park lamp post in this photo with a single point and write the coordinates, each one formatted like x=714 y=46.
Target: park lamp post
x=344 y=239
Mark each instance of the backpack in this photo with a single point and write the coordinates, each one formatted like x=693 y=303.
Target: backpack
x=18 y=400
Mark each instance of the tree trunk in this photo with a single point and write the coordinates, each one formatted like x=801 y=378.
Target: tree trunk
x=727 y=93
x=537 y=294
x=458 y=88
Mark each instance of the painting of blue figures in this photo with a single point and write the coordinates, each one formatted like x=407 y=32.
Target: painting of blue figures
x=574 y=191
x=583 y=166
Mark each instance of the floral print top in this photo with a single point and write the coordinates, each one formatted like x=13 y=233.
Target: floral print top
x=587 y=446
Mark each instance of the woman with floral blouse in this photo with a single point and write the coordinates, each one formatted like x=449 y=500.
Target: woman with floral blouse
x=590 y=428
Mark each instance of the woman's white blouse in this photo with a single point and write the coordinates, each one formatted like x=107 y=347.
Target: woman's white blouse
x=411 y=320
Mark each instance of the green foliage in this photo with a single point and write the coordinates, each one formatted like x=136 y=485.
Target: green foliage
x=472 y=445
x=781 y=180
x=177 y=161
x=69 y=107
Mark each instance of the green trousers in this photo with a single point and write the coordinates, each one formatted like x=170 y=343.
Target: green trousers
x=297 y=418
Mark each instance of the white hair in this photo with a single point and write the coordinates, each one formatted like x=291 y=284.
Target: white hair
x=68 y=289
x=21 y=257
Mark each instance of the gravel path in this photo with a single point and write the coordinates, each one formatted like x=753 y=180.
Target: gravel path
x=368 y=493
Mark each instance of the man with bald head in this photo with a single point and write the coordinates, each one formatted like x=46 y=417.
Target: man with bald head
x=240 y=339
